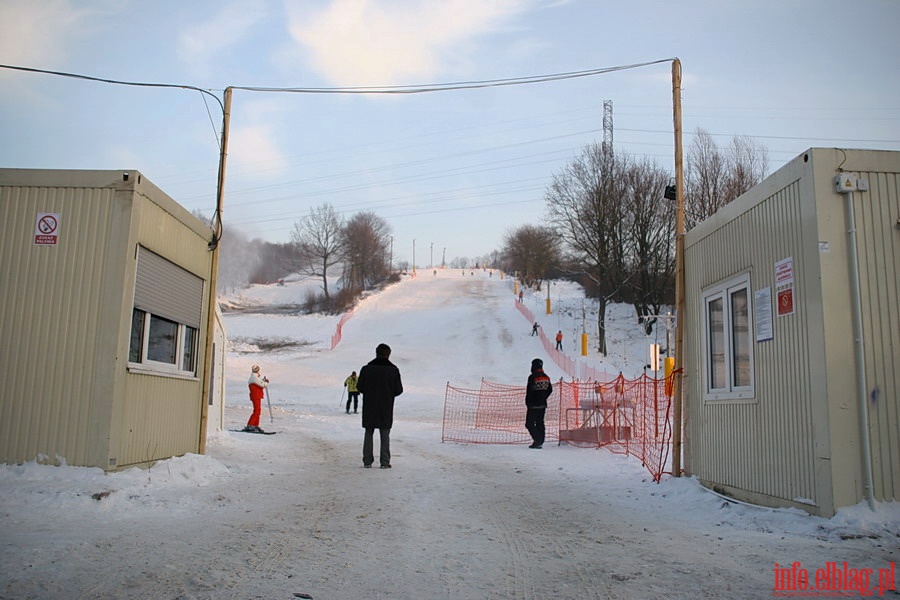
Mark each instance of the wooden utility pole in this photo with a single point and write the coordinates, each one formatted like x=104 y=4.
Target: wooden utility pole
x=213 y=274
x=679 y=271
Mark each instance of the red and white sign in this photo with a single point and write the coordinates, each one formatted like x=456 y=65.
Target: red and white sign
x=784 y=271
x=786 y=302
x=46 y=229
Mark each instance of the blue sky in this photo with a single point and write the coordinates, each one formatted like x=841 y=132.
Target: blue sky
x=453 y=170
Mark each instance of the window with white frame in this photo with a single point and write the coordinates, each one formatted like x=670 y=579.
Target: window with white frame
x=165 y=320
x=727 y=340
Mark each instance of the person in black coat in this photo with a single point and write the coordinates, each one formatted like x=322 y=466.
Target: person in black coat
x=537 y=391
x=379 y=382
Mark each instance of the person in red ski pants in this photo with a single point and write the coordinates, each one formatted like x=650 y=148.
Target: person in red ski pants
x=257 y=384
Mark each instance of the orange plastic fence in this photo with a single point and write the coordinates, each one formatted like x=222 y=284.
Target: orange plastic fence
x=627 y=416
x=339 y=330
x=571 y=367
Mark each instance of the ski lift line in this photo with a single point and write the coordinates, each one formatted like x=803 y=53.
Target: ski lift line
x=363 y=205
x=453 y=156
x=392 y=182
x=280 y=217
x=441 y=196
x=619 y=143
x=450 y=209
x=344 y=175
x=340 y=153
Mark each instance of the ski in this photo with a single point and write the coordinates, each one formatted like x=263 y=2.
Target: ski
x=256 y=432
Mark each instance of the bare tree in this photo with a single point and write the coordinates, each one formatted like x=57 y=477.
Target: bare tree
x=748 y=164
x=714 y=177
x=533 y=252
x=651 y=243
x=704 y=179
x=366 y=244
x=585 y=207
x=319 y=243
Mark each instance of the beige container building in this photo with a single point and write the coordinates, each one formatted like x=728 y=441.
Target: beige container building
x=104 y=285
x=786 y=404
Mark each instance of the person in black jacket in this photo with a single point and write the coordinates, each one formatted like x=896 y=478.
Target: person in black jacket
x=379 y=382
x=537 y=391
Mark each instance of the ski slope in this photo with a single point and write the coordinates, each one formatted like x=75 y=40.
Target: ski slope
x=295 y=513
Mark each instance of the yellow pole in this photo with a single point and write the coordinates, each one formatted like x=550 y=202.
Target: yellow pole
x=584 y=344
x=668 y=368
x=679 y=271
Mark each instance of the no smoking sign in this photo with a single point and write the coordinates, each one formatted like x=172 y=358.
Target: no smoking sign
x=46 y=229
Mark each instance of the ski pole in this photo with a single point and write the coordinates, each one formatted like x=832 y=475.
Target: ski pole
x=341 y=403
x=271 y=418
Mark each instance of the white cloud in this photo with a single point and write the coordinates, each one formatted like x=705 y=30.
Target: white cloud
x=199 y=45
x=368 y=42
x=254 y=149
x=36 y=34
x=253 y=146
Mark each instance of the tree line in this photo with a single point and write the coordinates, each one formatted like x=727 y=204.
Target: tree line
x=610 y=226
x=324 y=246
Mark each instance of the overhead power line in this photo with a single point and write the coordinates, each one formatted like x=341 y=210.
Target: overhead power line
x=458 y=85
x=396 y=89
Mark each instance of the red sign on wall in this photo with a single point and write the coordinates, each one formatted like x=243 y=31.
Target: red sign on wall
x=46 y=229
x=786 y=302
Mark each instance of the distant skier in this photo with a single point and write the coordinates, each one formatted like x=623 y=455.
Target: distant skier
x=257 y=384
x=379 y=382
x=537 y=390
x=534 y=328
x=521 y=295
x=559 y=338
x=352 y=391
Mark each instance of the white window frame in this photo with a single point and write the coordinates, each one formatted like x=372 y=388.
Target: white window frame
x=725 y=292
x=176 y=369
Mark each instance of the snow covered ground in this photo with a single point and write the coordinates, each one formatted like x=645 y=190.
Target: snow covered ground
x=295 y=513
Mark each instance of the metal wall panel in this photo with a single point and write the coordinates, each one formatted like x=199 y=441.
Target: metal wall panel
x=877 y=216
x=65 y=316
x=160 y=415
x=799 y=442
x=764 y=444
x=52 y=320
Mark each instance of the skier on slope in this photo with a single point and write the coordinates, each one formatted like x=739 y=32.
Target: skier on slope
x=352 y=391
x=257 y=384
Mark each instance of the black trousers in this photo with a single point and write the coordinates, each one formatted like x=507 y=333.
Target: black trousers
x=352 y=397
x=368 y=446
x=534 y=423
